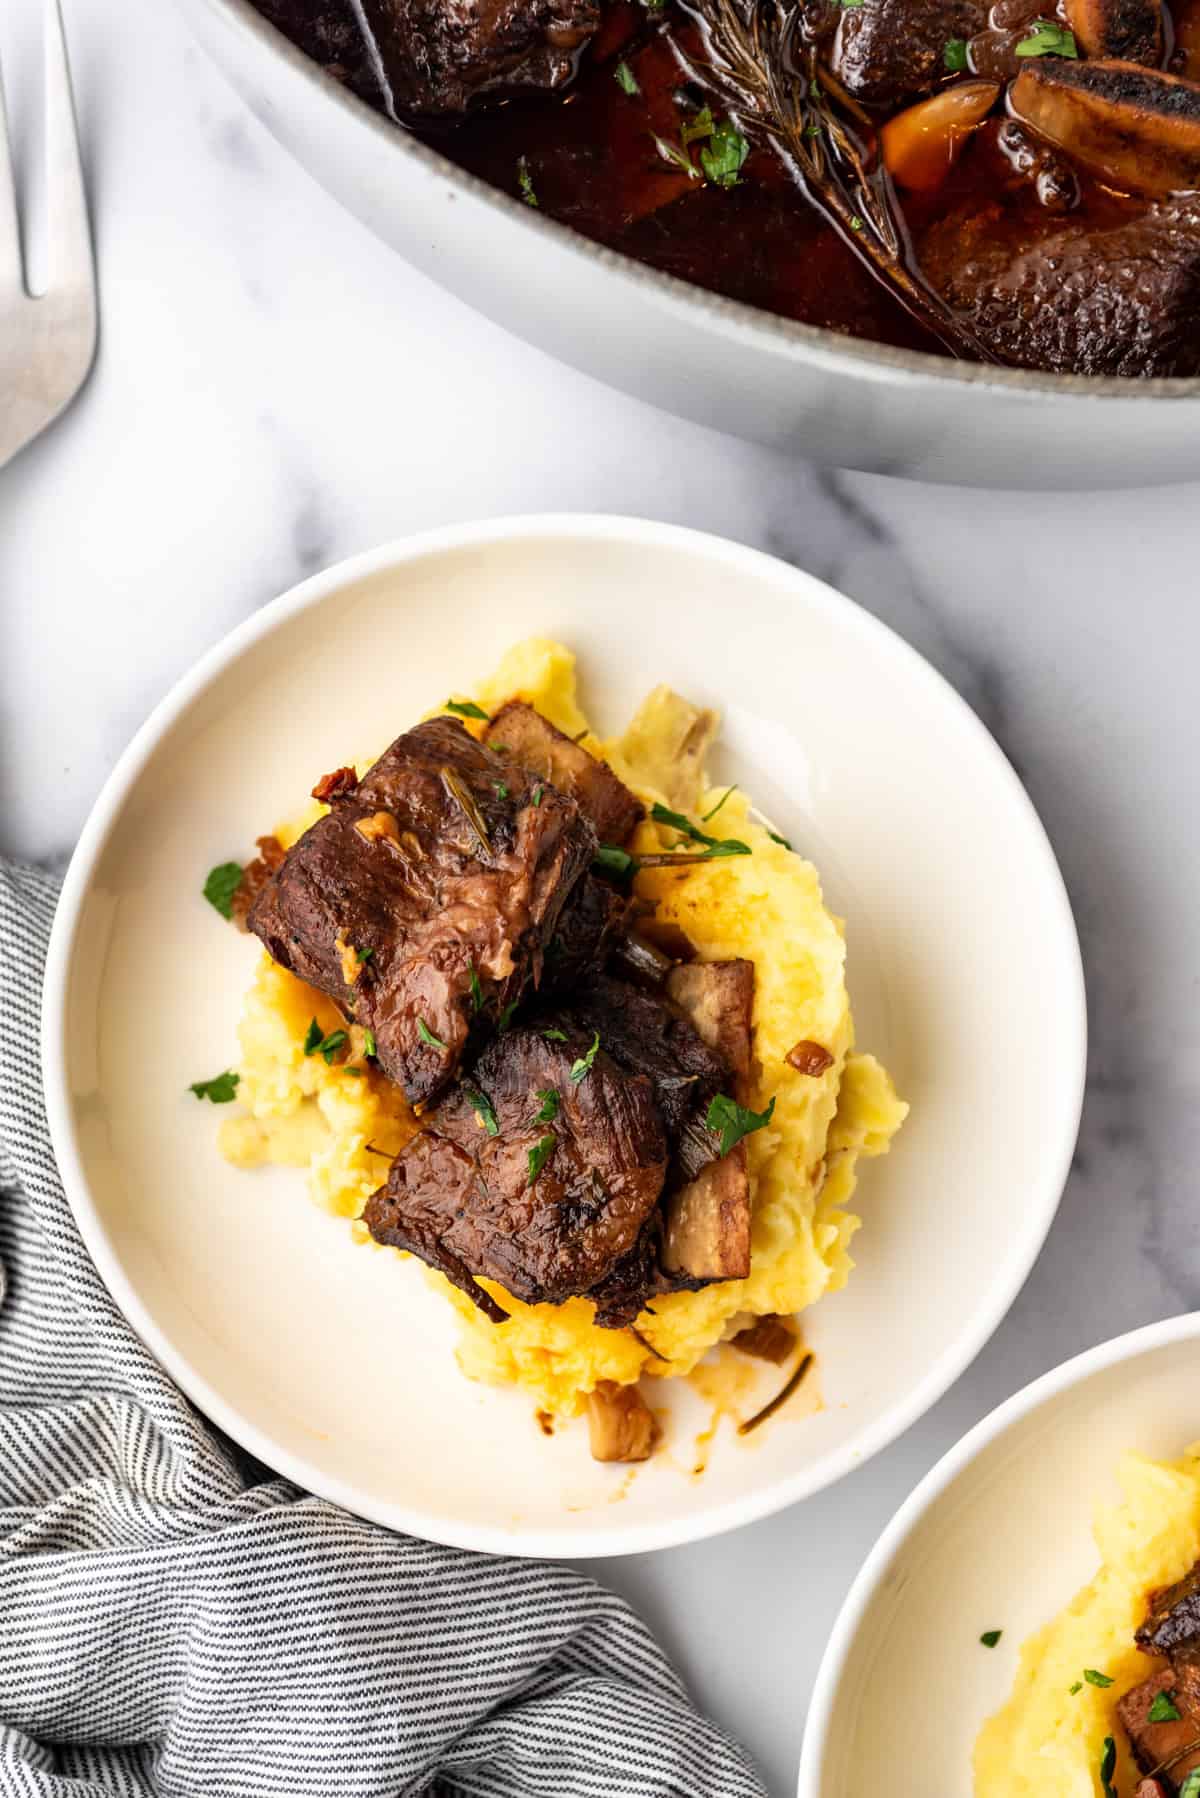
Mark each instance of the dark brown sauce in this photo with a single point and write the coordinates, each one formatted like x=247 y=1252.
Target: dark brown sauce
x=587 y=156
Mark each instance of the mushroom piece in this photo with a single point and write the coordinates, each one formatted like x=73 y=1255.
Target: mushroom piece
x=1136 y=128
x=1129 y=29
x=621 y=1426
x=921 y=144
x=769 y=1338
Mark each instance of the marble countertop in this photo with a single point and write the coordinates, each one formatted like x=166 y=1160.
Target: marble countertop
x=276 y=390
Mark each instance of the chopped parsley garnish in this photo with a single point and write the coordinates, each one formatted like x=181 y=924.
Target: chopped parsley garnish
x=426 y=1035
x=1077 y=1687
x=1163 y=1710
x=626 y=80
x=776 y=838
x=1096 y=1679
x=729 y=846
x=476 y=991
x=1108 y=1766
x=734 y=1121
x=856 y=223
x=540 y=1154
x=1191 y=1785
x=466 y=708
x=1048 y=38
x=582 y=1068
x=219 y=1090
x=364 y=954
x=554 y=1036
x=501 y=789
x=485 y=1111
x=990 y=1637
x=693 y=130
x=369 y=1047
x=613 y=860
x=537 y=794
x=954 y=55
x=326 y=1046
x=720 y=802
x=722 y=157
x=506 y=1015
x=222 y=883
x=548 y=1110
x=525 y=181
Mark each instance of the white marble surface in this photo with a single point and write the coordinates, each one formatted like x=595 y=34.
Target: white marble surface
x=276 y=390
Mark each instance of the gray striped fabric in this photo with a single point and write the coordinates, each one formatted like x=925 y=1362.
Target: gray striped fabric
x=174 y=1620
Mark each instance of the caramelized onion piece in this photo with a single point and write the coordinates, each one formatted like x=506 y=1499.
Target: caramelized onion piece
x=769 y=1338
x=921 y=143
x=1138 y=129
x=1130 y=29
x=621 y=1426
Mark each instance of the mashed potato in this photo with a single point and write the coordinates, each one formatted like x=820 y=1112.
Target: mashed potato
x=344 y=1122
x=1048 y=1740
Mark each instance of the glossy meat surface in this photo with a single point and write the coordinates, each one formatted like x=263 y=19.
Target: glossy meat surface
x=423 y=902
x=441 y=56
x=461 y=1194
x=521 y=733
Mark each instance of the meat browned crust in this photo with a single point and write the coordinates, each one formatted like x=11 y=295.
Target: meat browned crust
x=423 y=901
x=539 y=747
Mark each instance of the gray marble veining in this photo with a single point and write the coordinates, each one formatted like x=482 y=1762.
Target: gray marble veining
x=276 y=390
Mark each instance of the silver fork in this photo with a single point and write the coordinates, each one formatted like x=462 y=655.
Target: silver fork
x=47 y=345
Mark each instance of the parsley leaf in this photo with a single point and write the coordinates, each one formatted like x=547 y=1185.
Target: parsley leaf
x=1096 y=1679
x=364 y=955
x=549 y=1106
x=525 y=181
x=856 y=223
x=720 y=802
x=729 y=846
x=369 y=1042
x=539 y=1155
x=954 y=55
x=1108 y=1766
x=1077 y=1687
x=612 y=860
x=726 y=151
x=426 y=1035
x=501 y=789
x=990 y=1637
x=466 y=708
x=1163 y=1710
x=1048 y=38
x=326 y=1046
x=555 y=1036
x=485 y=1111
x=219 y=1090
x=1191 y=1785
x=582 y=1068
x=626 y=80
x=537 y=794
x=222 y=883
x=700 y=126
x=476 y=991
x=734 y=1121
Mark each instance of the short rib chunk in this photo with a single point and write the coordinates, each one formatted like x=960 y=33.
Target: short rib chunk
x=423 y=902
x=533 y=743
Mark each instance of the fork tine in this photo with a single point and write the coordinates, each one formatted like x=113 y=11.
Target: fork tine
x=11 y=276
x=70 y=270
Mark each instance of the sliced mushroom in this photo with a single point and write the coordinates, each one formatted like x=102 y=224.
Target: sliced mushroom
x=1130 y=29
x=921 y=143
x=1136 y=128
x=621 y=1426
x=706 y=1233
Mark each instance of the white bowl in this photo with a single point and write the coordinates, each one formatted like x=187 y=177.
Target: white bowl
x=336 y=1366
x=997 y=1536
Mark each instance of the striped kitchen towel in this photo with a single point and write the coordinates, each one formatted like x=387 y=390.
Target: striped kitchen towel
x=174 y=1620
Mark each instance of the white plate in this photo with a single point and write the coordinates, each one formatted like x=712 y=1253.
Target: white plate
x=997 y=1536
x=336 y=1366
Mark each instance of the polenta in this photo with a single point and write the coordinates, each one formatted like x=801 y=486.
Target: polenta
x=343 y=1122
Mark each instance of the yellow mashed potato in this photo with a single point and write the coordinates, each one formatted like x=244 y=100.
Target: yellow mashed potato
x=1048 y=1740
x=343 y=1122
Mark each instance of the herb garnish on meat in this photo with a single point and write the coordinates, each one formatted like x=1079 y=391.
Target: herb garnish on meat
x=539 y=1155
x=326 y=1046
x=582 y=1068
x=1164 y=1710
x=485 y=1111
x=1048 y=38
x=549 y=1106
x=954 y=55
x=625 y=79
x=735 y=1121
x=466 y=708
x=426 y=1035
